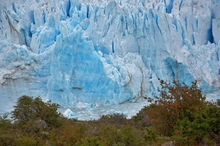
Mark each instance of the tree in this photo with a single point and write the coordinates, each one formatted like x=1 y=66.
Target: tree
x=183 y=111
x=177 y=101
x=34 y=109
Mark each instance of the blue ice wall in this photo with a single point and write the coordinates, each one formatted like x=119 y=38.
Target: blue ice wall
x=78 y=75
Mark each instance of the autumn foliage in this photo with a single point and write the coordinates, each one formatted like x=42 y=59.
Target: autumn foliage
x=181 y=110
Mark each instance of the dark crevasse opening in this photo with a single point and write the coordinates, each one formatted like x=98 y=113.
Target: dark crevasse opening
x=217 y=56
x=68 y=8
x=29 y=32
x=181 y=3
x=13 y=7
x=169 y=7
x=197 y=23
x=113 y=47
x=210 y=36
x=79 y=7
x=142 y=2
x=32 y=17
x=24 y=40
x=87 y=13
x=193 y=40
x=44 y=17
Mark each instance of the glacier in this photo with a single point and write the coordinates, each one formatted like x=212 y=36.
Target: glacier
x=93 y=55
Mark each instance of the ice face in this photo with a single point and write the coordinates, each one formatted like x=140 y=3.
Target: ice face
x=102 y=53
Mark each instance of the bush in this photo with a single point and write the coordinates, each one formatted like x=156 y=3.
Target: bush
x=182 y=111
x=28 y=141
x=29 y=110
x=204 y=128
x=6 y=140
x=92 y=141
x=140 y=120
x=69 y=133
x=130 y=136
x=4 y=121
x=118 y=119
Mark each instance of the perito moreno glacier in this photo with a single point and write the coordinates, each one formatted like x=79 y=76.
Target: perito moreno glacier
x=90 y=54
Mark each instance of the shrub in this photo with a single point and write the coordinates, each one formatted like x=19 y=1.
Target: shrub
x=4 y=121
x=118 y=119
x=150 y=136
x=175 y=102
x=29 y=110
x=69 y=133
x=140 y=120
x=28 y=141
x=182 y=111
x=92 y=141
x=204 y=128
x=130 y=136
x=6 y=140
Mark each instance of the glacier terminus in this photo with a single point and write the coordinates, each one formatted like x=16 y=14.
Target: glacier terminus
x=93 y=55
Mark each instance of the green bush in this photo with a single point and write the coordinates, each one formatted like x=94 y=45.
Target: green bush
x=29 y=110
x=4 y=121
x=140 y=120
x=7 y=140
x=130 y=136
x=92 y=141
x=28 y=141
x=118 y=119
x=204 y=128
x=150 y=136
